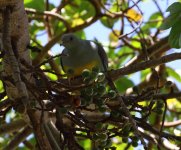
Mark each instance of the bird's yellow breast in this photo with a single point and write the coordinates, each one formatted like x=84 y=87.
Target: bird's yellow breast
x=77 y=71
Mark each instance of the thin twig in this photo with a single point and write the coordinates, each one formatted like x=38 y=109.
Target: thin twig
x=48 y=13
x=163 y=120
x=12 y=127
x=18 y=138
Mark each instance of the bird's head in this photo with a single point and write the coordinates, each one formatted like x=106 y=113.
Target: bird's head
x=69 y=40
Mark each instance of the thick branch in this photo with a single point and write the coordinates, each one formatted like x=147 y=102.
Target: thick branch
x=115 y=74
x=10 y=57
x=4 y=3
x=21 y=92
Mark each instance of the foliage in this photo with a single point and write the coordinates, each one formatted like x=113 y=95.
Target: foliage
x=173 y=21
x=87 y=111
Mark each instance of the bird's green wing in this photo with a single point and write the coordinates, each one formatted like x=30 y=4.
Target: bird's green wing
x=64 y=52
x=103 y=56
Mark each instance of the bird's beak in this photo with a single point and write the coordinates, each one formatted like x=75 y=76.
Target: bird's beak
x=61 y=43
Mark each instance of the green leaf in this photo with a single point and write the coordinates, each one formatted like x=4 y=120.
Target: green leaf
x=146 y=28
x=124 y=83
x=1 y=86
x=52 y=76
x=81 y=34
x=115 y=7
x=108 y=22
x=85 y=143
x=38 y=5
x=155 y=20
x=122 y=56
x=76 y=12
x=111 y=54
x=180 y=41
x=175 y=16
x=175 y=34
x=77 y=21
x=136 y=43
x=174 y=21
x=173 y=74
x=170 y=21
x=22 y=148
x=58 y=26
x=174 y=8
x=114 y=37
x=144 y=74
x=152 y=118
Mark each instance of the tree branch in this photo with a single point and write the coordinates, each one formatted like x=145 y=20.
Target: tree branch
x=11 y=127
x=49 y=13
x=158 y=47
x=115 y=74
x=19 y=137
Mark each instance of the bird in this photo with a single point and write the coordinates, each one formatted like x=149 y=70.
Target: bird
x=81 y=54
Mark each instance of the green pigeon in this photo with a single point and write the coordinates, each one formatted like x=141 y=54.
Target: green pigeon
x=81 y=54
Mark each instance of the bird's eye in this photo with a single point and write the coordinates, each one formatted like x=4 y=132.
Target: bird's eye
x=71 y=38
